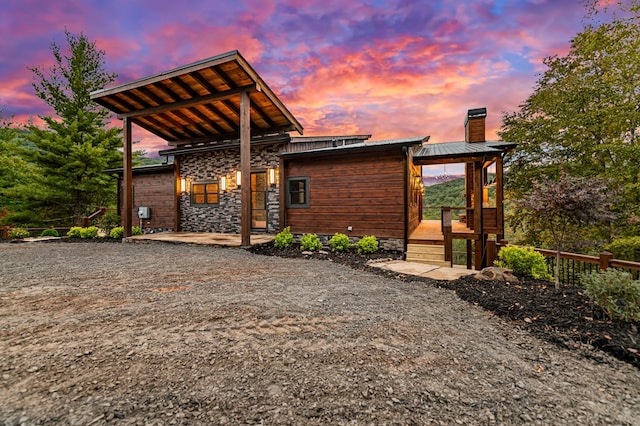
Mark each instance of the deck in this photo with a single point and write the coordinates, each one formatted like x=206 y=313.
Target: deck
x=429 y=230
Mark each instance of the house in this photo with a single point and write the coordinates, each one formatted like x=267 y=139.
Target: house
x=237 y=168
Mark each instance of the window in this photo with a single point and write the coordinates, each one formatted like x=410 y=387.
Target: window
x=204 y=193
x=298 y=192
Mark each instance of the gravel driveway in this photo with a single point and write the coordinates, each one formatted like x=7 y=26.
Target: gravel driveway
x=156 y=333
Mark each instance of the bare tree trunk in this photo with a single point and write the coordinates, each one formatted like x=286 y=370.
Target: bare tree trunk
x=557 y=267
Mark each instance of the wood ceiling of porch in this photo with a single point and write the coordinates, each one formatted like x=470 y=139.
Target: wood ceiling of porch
x=199 y=103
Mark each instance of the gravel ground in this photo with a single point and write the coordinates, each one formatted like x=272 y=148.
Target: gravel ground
x=180 y=334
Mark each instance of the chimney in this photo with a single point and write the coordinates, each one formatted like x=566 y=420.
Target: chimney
x=474 y=125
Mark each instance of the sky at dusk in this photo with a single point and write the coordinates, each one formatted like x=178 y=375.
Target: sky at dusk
x=390 y=68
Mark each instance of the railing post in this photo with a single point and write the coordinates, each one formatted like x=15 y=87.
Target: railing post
x=605 y=259
x=446 y=231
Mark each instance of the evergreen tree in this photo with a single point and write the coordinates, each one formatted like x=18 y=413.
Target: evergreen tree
x=76 y=146
x=584 y=114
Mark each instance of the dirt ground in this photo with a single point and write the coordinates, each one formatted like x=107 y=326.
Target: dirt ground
x=180 y=334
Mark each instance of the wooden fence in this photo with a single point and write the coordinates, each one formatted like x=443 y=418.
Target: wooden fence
x=573 y=265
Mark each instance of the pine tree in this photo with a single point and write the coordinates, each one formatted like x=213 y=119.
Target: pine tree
x=76 y=146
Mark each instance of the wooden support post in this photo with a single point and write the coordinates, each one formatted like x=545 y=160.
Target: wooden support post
x=605 y=258
x=478 y=216
x=499 y=197
x=469 y=254
x=245 y=167
x=446 y=231
x=178 y=196
x=491 y=252
x=127 y=176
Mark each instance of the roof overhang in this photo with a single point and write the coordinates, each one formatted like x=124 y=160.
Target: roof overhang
x=374 y=146
x=199 y=103
x=460 y=152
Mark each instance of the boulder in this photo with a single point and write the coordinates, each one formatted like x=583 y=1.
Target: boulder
x=495 y=273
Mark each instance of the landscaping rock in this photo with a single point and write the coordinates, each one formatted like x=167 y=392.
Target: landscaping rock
x=495 y=273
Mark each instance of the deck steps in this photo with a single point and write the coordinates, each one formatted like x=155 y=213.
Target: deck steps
x=432 y=254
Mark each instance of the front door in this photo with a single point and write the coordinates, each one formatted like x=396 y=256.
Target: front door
x=259 y=200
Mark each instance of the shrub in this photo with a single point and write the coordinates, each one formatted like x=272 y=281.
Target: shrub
x=108 y=221
x=310 y=242
x=19 y=233
x=89 y=232
x=523 y=261
x=625 y=248
x=49 y=233
x=367 y=244
x=74 y=232
x=339 y=242
x=615 y=292
x=283 y=239
x=118 y=232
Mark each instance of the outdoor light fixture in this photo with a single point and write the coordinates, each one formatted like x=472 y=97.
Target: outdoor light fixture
x=272 y=176
x=238 y=178
x=183 y=185
x=223 y=183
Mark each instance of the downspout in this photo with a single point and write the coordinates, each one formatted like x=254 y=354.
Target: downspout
x=405 y=159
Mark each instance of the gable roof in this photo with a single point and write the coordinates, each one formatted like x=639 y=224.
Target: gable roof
x=199 y=103
x=356 y=147
x=455 y=152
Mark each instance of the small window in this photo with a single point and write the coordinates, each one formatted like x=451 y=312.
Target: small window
x=204 y=193
x=298 y=192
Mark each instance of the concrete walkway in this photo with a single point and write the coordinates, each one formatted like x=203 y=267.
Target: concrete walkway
x=421 y=269
x=205 y=238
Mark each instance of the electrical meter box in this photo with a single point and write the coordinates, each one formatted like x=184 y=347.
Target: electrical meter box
x=144 y=212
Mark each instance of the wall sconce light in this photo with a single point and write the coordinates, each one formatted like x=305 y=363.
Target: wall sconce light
x=272 y=176
x=183 y=185
x=238 y=178
x=223 y=183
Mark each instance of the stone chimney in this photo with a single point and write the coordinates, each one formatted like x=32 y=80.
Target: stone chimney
x=474 y=125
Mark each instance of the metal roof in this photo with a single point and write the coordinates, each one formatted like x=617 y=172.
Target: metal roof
x=362 y=146
x=199 y=103
x=458 y=151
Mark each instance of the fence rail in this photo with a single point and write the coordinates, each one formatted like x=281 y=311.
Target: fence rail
x=572 y=265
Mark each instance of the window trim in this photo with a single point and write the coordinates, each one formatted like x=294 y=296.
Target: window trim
x=205 y=183
x=304 y=205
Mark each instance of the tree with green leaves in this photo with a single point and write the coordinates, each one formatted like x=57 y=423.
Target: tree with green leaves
x=76 y=146
x=584 y=114
x=559 y=206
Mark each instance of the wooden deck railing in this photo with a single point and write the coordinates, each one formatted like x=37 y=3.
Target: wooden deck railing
x=572 y=265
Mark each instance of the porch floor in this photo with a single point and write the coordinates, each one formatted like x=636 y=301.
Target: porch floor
x=429 y=230
x=205 y=238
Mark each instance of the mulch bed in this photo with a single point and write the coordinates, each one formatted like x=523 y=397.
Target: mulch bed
x=563 y=316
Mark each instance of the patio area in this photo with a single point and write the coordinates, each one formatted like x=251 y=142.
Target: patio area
x=202 y=238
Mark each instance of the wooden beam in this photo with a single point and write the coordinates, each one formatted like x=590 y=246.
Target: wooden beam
x=127 y=175
x=219 y=96
x=245 y=167
x=477 y=213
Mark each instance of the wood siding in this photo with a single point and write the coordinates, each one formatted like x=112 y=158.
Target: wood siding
x=158 y=191
x=363 y=190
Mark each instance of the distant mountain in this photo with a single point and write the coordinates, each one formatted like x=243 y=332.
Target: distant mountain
x=435 y=180
x=448 y=193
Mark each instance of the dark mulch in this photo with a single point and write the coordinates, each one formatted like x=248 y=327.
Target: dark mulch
x=565 y=317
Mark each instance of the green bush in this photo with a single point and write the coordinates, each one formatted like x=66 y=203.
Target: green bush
x=523 y=261
x=367 y=244
x=339 y=242
x=19 y=233
x=118 y=232
x=89 y=232
x=625 y=248
x=310 y=242
x=108 y=221
x=49 y=233
x=283 y=239
x=74 y=232
x=615 y=292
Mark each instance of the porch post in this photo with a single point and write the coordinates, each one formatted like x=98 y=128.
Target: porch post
x=477 y=214
x=245 y=167
x=499 y=196
x=127 y=176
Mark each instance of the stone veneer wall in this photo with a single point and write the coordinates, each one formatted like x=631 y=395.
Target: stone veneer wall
x=225 y=217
